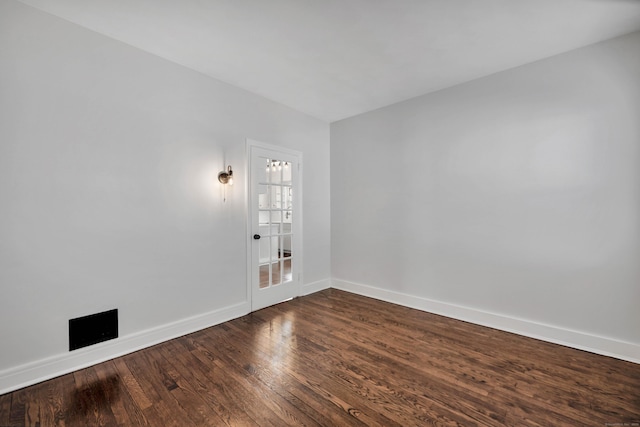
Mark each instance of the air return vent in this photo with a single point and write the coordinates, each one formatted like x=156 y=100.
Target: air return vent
x=92 y=329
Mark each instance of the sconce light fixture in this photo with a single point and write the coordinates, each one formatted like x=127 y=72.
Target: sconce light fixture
x=226 y=177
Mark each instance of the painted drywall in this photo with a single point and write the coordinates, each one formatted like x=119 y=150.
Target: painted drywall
x=108 y=190
x=516 y=195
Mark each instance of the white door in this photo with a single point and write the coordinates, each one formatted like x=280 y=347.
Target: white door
x=274 y=200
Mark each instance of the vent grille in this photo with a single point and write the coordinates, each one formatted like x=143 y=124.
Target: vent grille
x=92 y=329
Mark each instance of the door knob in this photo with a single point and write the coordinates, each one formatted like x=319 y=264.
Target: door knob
x=256 y=237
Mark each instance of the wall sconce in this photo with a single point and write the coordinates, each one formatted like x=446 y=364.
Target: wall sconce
x=226 y=177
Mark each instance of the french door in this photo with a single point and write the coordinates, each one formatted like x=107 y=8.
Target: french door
x=275 y=225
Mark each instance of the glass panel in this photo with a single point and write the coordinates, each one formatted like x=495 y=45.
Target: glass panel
x=275 y=171
x=263 y=197
x=286 y=173
x=264 y=276
x=276 y=218
x=276 y=196
x=286 y=247
x=287 y=200
x=264 y=249
x=262 y=170
x=275 y=248
x=287 y=275
x=275 y=273
x=286 y=228
x=288 y=217
x=263 y=219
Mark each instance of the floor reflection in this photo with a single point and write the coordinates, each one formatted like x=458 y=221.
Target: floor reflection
x=276 y=276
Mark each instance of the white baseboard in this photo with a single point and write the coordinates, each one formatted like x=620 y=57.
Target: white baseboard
x=311 y=288
x=570 y=338
x=41 y=370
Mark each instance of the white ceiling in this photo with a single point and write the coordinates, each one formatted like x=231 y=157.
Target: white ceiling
x=334 y=59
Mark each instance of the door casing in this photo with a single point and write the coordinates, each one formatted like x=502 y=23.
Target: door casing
x=297 y=225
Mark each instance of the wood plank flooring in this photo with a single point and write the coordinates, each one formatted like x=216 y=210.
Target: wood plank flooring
x=338 y=359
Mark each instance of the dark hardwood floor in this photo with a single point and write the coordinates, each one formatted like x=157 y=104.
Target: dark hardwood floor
x=338 y=359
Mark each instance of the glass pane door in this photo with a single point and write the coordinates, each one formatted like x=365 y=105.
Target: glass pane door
x=274 y=225
x=275 y=220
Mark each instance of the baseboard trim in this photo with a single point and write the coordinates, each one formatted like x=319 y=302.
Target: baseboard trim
x=569 y=338
x=32 y=373
x=314 y=287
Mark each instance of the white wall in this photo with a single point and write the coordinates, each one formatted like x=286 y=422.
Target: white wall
x=109 y=197
x=513 y=200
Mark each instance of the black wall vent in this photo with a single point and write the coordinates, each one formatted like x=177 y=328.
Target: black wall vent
x=92 y=329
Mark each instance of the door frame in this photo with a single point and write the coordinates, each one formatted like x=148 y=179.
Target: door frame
x=250 y=144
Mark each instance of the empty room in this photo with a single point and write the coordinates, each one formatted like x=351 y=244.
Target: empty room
x=319 y=213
